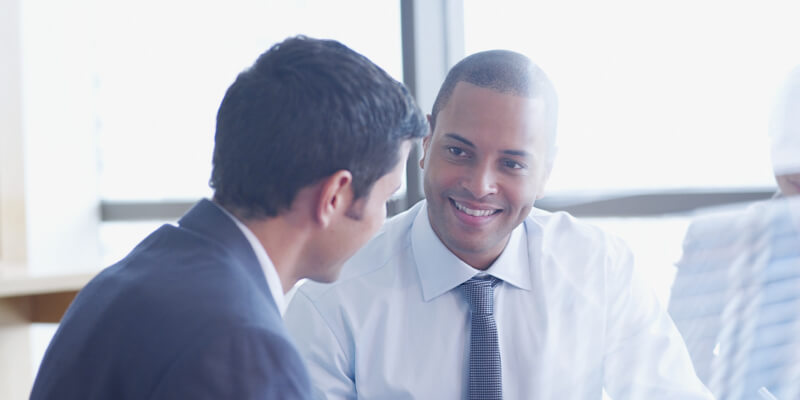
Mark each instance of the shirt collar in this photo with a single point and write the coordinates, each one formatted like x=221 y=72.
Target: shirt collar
x=273 y=280
x=440 y=270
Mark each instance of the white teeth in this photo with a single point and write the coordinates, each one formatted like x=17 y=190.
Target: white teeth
x=474 y=213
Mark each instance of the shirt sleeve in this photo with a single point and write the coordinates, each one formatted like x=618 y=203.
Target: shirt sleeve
x=241 y=363
x=329 y=365
x=645 y=357
x=700 y=289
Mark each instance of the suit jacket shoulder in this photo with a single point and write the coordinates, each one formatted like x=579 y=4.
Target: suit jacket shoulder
x=184 y=293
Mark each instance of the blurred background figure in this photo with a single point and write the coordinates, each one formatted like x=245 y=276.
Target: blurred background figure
x=785 y=137
x=736 y=297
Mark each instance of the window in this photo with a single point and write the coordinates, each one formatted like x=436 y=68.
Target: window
x=152 y=74
x=652 y=95
x=160 y=87
x=146 y=79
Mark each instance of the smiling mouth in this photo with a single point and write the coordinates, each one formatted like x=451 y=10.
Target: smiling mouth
x=473 y=212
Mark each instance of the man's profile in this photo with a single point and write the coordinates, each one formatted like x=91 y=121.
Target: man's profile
x=310 y=143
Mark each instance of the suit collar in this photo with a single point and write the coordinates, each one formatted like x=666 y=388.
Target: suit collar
x=211 y=221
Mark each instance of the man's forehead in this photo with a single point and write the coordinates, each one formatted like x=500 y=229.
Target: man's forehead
x=474 y=107
x=466 y=87
x=503 y=89
x=471 y=96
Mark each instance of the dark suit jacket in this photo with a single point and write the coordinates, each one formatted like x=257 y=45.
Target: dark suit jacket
x=186 y=315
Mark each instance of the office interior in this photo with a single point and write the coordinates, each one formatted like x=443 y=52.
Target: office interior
x=108 y=118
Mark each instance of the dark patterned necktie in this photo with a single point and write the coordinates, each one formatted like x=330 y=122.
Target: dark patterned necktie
x=485 y=380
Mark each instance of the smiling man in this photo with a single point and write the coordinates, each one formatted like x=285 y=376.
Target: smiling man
x=475 y=294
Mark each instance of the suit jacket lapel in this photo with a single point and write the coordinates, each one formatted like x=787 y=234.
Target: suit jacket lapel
x=207 y=219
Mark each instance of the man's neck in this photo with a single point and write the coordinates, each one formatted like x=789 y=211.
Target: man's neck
x=479 y=261
x=284 y=245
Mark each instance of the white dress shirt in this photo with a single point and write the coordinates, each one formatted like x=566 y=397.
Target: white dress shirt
x=273 y=280
x=572 y=318
x=736 y=299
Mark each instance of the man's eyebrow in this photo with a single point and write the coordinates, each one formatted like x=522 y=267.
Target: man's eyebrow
x=460 y=139
x=520 y=153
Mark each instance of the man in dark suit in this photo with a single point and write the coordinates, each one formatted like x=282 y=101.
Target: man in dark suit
x=310 y=143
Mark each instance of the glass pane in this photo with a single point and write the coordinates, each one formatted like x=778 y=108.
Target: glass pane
x=160 y=69
x=656 y=244
x=653 y=94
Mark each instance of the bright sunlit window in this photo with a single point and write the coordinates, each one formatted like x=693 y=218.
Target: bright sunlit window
x=653 y=95
x=160 y=87
x=159 y=69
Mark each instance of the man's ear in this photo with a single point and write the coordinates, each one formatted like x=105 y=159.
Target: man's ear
x=335 y=196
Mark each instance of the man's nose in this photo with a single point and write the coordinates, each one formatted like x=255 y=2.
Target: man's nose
x=481 y=182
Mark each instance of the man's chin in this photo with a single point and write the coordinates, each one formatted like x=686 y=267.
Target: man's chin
x=472 y=245
x=330 y=275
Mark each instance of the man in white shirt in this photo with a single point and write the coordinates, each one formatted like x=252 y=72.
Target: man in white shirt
x=472 y=293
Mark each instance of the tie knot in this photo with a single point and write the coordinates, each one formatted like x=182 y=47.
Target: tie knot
x=480 y=294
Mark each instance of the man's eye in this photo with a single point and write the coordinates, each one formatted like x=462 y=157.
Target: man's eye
x=513 y=164
x=456 y=151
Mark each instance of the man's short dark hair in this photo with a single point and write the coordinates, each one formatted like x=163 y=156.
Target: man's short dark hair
x=306 y=109
x=504 y=71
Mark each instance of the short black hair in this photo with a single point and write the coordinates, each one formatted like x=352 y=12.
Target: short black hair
x=505 y=71
x=306 y=109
